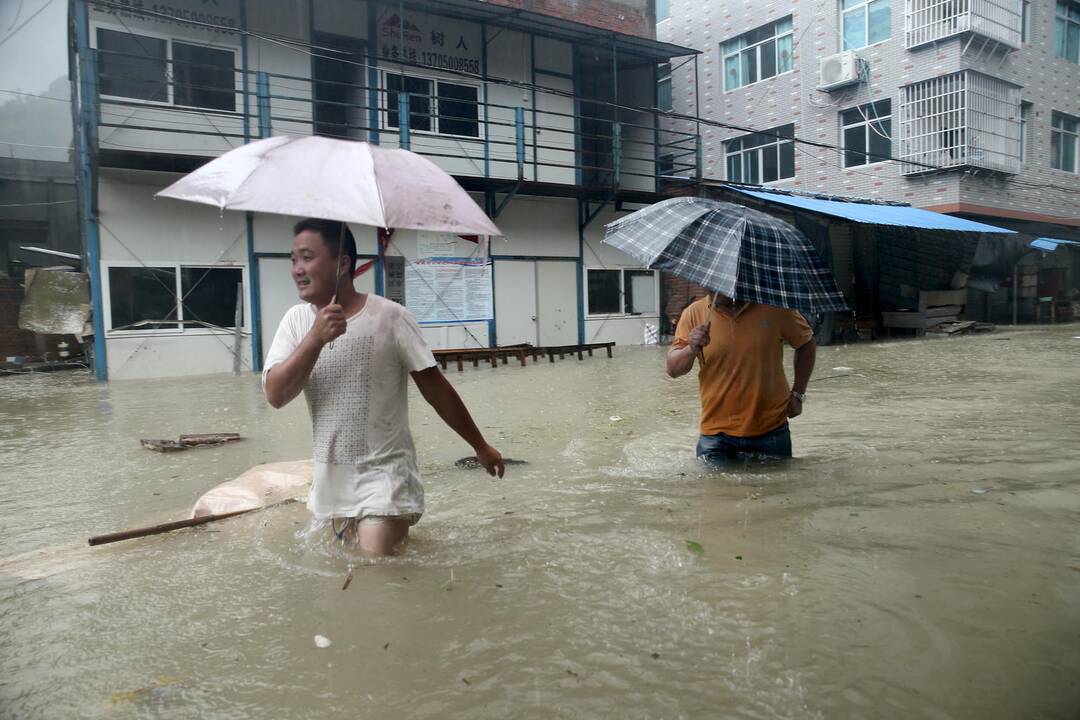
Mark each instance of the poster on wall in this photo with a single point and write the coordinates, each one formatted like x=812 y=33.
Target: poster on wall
x=429 y=245
x=446 y=290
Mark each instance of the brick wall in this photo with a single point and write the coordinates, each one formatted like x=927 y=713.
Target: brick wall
x=634 y=17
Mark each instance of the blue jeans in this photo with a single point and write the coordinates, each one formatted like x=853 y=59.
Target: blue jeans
x=722 y=448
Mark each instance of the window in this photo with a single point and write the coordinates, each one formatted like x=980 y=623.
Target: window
x=663 y=87
x=453 y=109
x=203 y=77
x=142 y=293
x=867 y=133
x=137 y=67
x=209 y=295
x=865 y=23
x=622 y=292
x=758 y=55
x=761 y=157
x=1064 y=141
x=663 y=10
x=1067 y=30
x=132 y=66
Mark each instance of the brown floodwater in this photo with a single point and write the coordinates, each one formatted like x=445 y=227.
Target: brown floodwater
x=919 y=558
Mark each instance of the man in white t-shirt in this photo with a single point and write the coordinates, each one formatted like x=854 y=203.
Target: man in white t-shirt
x=351 y=356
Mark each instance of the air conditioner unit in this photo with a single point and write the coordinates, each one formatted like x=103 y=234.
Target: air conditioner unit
x=840 y=70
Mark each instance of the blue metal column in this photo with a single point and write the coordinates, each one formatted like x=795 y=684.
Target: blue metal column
x=581 y=273
x=262 y=91
x=249 y=218
x=87 y=179
x=403 y=117
x=519 y=132
x=374 y=102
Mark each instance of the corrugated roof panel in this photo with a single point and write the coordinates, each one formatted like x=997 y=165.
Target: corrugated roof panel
x=895 y=215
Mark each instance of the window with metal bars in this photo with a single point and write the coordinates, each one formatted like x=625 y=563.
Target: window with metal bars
x=964 y=119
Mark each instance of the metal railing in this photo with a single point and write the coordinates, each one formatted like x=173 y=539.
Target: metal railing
x=563 y=139
x=932 y=20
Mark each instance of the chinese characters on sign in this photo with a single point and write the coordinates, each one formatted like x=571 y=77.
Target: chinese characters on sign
x=421 y=39
x=209 y=17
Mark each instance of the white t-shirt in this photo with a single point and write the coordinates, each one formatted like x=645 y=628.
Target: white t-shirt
x=365 y=460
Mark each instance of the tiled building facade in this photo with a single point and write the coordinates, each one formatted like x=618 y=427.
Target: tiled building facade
x=989 y=89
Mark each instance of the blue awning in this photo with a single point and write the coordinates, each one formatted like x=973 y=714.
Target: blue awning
x=870 y=214
x=1050 y=244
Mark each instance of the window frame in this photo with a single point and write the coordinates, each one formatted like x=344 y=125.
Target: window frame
x=434 y=79
x=757 y=149
x=756 y=48
x=180 y=329
x=1067 y=19
x=170 y=78
x=1055 y=115
x=622 y=292
x=865 y=121
x=662 y=77
x=863 y=7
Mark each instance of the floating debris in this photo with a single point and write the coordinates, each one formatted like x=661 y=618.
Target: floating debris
x=615 y=418
x=186 y=442
x=980 y=490
x=472 y=463
x=842 y=368
x=695 y=548
x=321 y=641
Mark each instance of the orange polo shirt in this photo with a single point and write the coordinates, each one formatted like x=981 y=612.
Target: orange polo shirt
x=742 y=385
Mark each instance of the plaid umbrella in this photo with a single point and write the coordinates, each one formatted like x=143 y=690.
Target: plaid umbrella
x=730 y=249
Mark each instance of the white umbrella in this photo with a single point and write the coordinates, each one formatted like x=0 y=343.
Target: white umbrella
x=335 y=180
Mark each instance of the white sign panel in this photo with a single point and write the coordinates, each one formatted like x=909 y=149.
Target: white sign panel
x=449 y=290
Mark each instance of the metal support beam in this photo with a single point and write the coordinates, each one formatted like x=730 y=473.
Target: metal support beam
x=87 y=181
x=506 y=201
x=581 y=210
x=484 y=75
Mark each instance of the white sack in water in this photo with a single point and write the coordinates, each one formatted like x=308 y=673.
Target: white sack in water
x=261 y=485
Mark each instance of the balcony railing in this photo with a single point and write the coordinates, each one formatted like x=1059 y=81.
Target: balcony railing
x=932 y=20
x=563 y=139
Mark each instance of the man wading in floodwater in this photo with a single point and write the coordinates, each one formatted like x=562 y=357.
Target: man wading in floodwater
x=745 y=399
x=351 y=357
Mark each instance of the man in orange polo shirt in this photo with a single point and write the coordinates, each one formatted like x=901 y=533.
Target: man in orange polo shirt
x=745 y=397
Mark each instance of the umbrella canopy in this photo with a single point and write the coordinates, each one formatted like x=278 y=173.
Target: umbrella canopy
x=335 y=180
x=730 y=249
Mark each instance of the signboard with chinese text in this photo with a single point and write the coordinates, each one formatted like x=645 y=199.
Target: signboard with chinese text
x=436 y=42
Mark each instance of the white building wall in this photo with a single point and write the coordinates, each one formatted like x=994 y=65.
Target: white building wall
x=137 y=230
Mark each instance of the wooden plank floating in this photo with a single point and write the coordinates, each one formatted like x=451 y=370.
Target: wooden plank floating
x=186 y=442
x=519 y=352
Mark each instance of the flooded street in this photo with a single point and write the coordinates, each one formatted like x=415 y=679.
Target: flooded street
x=920 y=557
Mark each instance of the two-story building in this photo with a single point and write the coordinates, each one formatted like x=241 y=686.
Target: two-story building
x=545 y=114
